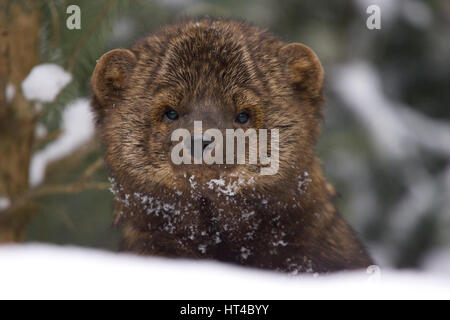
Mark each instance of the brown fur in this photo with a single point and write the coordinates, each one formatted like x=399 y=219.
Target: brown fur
x=210 y=70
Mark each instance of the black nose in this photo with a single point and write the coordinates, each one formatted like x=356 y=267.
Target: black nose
x=204 y=143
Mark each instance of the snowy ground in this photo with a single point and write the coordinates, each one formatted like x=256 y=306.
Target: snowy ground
x=48 y=272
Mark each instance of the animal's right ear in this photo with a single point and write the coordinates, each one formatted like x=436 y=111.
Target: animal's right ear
x=111 y=76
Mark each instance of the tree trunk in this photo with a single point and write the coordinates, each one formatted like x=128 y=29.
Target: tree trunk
x=19 y=52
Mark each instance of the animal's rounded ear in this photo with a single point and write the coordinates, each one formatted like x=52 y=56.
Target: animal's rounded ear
x=111 y=75
x=302 y=68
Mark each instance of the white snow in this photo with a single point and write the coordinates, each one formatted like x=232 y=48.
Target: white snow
x=123 y=29
x=398 y=131
x=4 y=203
x=219 y=185
x=75 y=273
x=45 y=82
x=401 y=136
x=361 y=91
x=40 y=131
x=77 y=126
x=438 y=262
x=10 y=92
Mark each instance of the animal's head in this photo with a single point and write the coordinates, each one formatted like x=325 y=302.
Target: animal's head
x=169 y=98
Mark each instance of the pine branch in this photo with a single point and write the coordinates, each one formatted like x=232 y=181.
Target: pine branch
x=83 y=184
x=71 y=61
x=55 y=23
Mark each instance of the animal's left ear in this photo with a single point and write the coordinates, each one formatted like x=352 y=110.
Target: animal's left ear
x=302 y=68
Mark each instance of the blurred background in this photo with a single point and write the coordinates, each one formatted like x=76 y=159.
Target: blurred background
x=385 y=142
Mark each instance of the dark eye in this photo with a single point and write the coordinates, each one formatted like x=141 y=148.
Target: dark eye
x=242 y=117
x=171 y=114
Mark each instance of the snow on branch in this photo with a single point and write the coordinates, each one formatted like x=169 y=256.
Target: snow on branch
x=77 y=129
x=45 y=82
x=398 y=131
